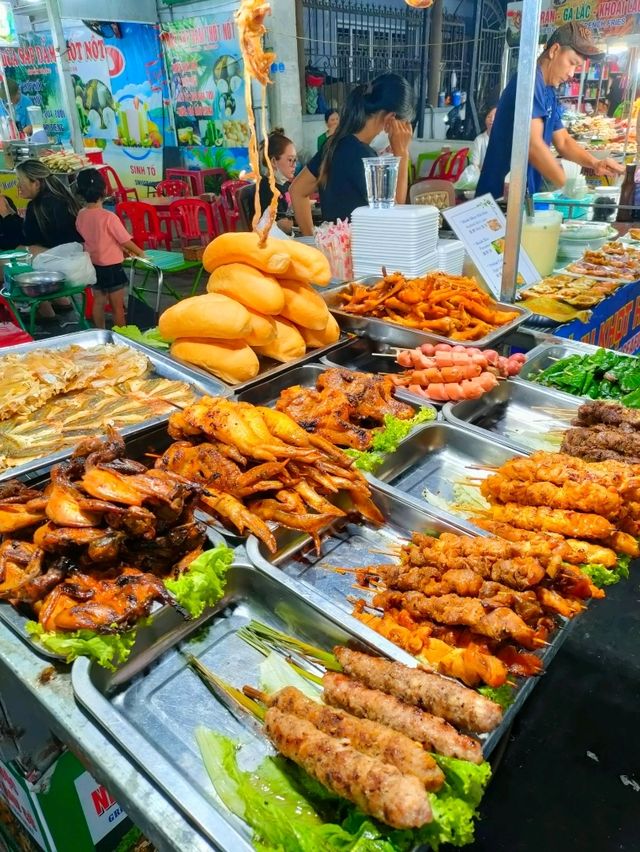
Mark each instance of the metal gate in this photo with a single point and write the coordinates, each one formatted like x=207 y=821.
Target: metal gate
x=352 y=42
x=492 y=45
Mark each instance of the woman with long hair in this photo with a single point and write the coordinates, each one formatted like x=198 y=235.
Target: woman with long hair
x=50 y=219
x=386 y=105
x=282 y=153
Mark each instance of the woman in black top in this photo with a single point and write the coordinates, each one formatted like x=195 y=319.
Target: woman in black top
x=337 y=172
x=282 y=153
x=50 y=219
x=10 y=225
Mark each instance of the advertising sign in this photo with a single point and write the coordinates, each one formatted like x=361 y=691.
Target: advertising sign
x=206 y=81
x=606 y=19
x=614 y=323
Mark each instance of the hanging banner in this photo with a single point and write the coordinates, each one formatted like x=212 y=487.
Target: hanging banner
x=90 y=75
x=607 y=19
x=33 y=66
x=614 y=323
x=206 y=82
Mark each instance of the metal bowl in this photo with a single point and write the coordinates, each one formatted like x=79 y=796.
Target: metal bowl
x=39 y=283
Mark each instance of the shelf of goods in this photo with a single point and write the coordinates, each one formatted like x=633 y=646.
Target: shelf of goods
x=357 y=510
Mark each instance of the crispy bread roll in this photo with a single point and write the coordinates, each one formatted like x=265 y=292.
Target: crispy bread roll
x=263 y=329
x=308 y=264
x=328 y=335
x=232 y=361
x=303 y=306
x=209 y=315
x=288 y=344
x=244 y=248
x=249 y=286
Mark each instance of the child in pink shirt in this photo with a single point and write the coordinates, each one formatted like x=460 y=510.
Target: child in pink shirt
x=106 y=239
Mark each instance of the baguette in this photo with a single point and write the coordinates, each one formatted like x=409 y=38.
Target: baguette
x=244 y=248
x=249 y=286
x=308 y=264
x=263 y=329
x=303 y=306
x=287 y=345
x=329 y=334
x=233 y=361
x=209 y=315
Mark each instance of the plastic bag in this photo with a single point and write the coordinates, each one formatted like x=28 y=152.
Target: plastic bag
x=468 y=179
x=70 y=259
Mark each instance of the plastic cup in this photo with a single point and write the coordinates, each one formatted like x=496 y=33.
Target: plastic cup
x=381 y=175
x=540 y=239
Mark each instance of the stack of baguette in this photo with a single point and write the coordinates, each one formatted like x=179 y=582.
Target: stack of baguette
x=259 y=302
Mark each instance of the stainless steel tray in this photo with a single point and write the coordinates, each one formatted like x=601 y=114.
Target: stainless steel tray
x=387 y=331
x=156 y=440
x=353 y=546
x=438 y=458
x=518 y=413
x=267 y=392
x=161 y=365
x=544 y=356
x=268 y=367
x=152 y=705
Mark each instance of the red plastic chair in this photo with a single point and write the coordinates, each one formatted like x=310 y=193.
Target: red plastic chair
x=143 y=222
x=449 y=166
x=173 y=188
x=115 y=187
x=229 y=204
x=194 y=220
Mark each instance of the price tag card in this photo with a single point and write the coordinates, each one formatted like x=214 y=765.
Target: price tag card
x=481 y=226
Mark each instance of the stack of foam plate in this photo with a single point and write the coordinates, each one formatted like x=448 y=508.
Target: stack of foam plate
x=402 y=239
x=450 y=256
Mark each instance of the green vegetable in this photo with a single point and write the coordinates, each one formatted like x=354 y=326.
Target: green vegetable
x=601 y=576
x=107 y=649
x=601 y=375
x=203 y=582
x=290 y=812
x=276 y=673
x=502 y=695
x=387 y=439
x=151 y=337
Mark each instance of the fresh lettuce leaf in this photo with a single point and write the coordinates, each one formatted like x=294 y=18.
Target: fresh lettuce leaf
x=276 y=673
x=107 y=649
x=290 y=812
x=387 y=439
x=502 y=695
x=202 y=584
x=602 y=576
x=151 y=337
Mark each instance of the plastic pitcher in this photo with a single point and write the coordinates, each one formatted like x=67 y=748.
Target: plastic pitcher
x=540 y=238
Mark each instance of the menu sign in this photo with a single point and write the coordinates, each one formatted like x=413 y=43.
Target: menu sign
x=605 y=18
x=481 y=227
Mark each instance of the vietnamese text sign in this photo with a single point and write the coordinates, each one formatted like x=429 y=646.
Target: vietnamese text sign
x=481 y=227
x=606 y=18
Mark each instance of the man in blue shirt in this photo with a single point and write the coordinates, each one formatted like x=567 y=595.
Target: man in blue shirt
x=565 y=51
x=20 y=103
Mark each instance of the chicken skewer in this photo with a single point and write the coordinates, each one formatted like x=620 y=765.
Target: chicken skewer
x=377 y=788
x=582 y=496
x=430 y=692
x=366 y=736
x=567 y=523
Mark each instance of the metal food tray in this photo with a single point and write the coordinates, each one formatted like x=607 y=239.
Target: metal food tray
x=267 y=392
x=385 y=330
x=157 y=440
x=161 y=365
x=544 y=356
x=438 y=458
x=517 y=413
x=354 y=546
x=152 y=705
x=269 y=369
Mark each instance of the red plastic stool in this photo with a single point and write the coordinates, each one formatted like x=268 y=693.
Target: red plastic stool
x=11 y=335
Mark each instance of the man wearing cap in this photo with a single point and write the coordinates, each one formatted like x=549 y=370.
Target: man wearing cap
x=567 y=48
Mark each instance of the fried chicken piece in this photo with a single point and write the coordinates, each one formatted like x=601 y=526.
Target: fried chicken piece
x=430 y=692
x=84 y=601
x=366 y=736
x=377 y=788
x=36 y=588
x=369 y=395
x=326 y=413
x=20 y=561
